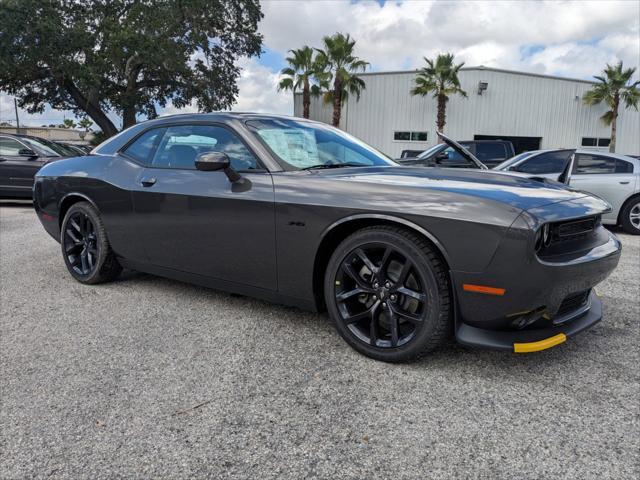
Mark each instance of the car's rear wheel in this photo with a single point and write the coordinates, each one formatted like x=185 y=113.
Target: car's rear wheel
x=85 y=247
x=631 y=216
x=388 y=293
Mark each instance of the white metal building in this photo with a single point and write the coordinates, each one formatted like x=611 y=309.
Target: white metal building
x=533 y=111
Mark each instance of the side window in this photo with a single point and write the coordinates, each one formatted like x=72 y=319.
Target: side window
x=552 y=162
x=9 y=146
x=181 y=144
x=334 y=152
x=143 y=148
x=490 y=151
x=453 y=158
x=623 y=167
x=595 y=164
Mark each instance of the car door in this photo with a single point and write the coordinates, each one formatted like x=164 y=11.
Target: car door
x=198 y=221
x=606 y=176
x=17 y=168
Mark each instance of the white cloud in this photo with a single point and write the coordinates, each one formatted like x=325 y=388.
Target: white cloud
x=573 y=39
x=258 y=90
x=398 y=34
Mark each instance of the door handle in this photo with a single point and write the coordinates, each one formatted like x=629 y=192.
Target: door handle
x=624 y=183
x=148 y=181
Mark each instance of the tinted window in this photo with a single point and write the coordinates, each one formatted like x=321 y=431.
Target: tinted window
x=41 y=145
x=144 y=147
x=592 y=164
x=418 y=136
x=623 y=167
x=490 y=151
x=589 y=142
x=181 y=144
x=453 y=158
x=402 y=136
x=9 y=146
x=551 y=162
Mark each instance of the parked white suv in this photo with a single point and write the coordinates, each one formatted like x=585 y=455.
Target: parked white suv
x=615 y=178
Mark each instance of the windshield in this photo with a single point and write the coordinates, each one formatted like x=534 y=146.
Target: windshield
x=512 y=160
x=433 y=150
x=303 y=145
x=40 y=146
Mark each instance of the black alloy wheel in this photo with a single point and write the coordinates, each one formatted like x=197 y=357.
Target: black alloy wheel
x=80 y=245
x=85 y=247
x=380 y=296
x=388 y=294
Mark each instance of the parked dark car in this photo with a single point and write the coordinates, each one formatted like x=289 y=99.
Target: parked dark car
x=21 y=156
x=297 y=212
x=489 y=152
x=410 y=153
x=72 y=149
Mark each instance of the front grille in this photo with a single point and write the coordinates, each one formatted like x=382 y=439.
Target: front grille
x=573 y=229
x=573 y=302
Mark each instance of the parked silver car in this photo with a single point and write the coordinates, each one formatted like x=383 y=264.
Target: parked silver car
x=615 y=178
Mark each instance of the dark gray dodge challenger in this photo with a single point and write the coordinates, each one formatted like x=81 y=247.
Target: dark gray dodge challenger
x=300 y=213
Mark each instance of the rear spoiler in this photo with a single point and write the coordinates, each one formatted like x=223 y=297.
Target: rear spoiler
x=462 y=151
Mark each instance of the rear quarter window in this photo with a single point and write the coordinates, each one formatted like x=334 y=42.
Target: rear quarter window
x=143 y=148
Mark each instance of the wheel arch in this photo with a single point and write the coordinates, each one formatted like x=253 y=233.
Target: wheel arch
x=341 y=229
x=70 y=199
x=632 y=197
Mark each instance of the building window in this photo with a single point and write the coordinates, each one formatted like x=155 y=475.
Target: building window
x=595 y=142
x=410 y=136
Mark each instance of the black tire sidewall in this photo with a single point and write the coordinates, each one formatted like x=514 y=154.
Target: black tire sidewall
x=626 y=222
x=102 y=245
x=424 y=333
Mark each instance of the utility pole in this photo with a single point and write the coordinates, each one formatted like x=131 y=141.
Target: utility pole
x=15 y=105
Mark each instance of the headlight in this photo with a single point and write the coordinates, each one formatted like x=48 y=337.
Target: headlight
x=543 y=237
x=546 y=235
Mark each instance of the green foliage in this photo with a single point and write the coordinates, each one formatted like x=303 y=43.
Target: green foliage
x=68 y=123
x=614 y=88
x=125 y=56
x=337 y=64
x=301 y=69
x=439 y=78
x=85 y=123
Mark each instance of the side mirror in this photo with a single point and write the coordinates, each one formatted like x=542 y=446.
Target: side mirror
x=213 y=161
x=27 y=152
x=441 y=156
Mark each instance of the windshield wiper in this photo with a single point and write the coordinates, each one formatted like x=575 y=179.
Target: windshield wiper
x=323 y=166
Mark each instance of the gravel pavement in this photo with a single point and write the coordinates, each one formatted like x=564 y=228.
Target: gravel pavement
x=152 y=378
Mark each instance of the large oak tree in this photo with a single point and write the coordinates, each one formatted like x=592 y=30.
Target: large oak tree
x=125 y=56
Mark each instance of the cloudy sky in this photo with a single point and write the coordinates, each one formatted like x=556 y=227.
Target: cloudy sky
x=567 y=38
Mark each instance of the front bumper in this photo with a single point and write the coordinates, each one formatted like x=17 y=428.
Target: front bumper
x=525 y=341
x=523 y=302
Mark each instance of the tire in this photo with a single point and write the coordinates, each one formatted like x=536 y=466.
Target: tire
x=382 y=274
x=83 y=235
x=630 y=216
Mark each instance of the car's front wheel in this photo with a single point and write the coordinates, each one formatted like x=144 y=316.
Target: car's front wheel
x=85 y=247
x=388 y=293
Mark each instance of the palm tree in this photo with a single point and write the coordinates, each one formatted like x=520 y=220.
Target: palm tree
x=338 y=65
x=439 y=78
x=299 y=74
x=612 y=90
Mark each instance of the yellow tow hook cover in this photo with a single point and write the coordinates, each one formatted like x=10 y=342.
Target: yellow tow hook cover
x=540 y=345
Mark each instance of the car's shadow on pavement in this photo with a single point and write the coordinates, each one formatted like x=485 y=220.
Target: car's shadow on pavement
x=451 y=356
x=15 y=203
